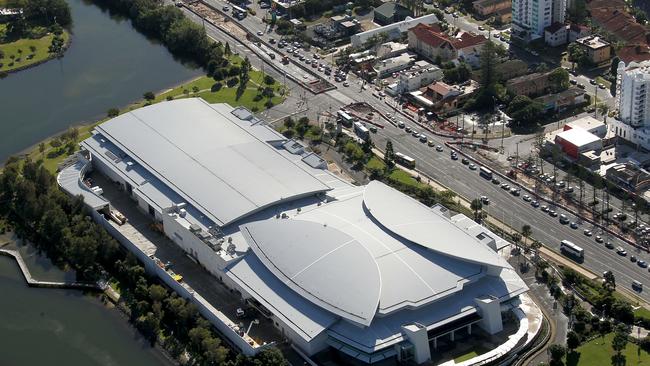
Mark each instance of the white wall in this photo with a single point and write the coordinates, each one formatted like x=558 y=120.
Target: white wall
x=191 y=244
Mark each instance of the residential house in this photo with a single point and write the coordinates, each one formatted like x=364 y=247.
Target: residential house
x=556 y=34
x=390 y=13
x=563 y=100
x=391 y=31
x=431 y=42
x=621 y=24
x=485 y=8
x=442 y=97
x=634 y=53
x=597 y=49
x=577 y=31
x=530 y=85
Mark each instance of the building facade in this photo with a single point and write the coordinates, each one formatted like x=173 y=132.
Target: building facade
x=632 y=98
x=485 y=8
x=596 y=48
x=556 y=34
x=531 y=17
x=431 y=42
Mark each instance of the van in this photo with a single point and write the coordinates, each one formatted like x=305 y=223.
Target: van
x=636 y=285
x=564 y=219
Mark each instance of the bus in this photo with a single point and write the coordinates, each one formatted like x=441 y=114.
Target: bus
x=570 y=249
x=361 y=130
x=345 y=118
x=238 y=12
x=485 y=173
x=404 y=160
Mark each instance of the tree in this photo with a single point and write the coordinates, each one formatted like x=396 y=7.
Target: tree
x=524 y=111
x=557 y=353
x=577 y=55
x=526 y=231
x=572 y=341
x=458 y=74
x=603 y=109
x=41 y=148
x=149 y=96
x=610 y=281
x=389 y=156
x=619 y=342
x=559 y=79
x=489 y=77
x=476 y=205
x=604 y=328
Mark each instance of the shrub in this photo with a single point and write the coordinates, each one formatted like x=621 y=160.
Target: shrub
x=113 y=112
x=232 y=82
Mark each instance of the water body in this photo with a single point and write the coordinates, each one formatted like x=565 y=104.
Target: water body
x=109 y=64
x=63 y=327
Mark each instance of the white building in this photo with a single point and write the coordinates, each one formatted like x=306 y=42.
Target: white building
x=421 y=74
x=633 y=103
x=365 y=270
x=531 y=17
x=384 y=68
x=392 y=31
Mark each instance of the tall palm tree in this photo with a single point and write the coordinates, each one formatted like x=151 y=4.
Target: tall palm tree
x=526 y=231
x=603 y=109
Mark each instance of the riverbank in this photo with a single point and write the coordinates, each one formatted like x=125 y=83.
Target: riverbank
x=26 y=53
x=70 y=326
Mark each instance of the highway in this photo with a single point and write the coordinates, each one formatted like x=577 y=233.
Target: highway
x=456 y=176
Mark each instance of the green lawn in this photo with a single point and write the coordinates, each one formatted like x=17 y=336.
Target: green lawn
x=403 y=177
x=642 y=312
x=466 y=357
x=375 y=163
x=599 y=353
x=22 y=59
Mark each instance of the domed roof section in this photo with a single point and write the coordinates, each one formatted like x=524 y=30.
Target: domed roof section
x=323 y=264
x=413 y=221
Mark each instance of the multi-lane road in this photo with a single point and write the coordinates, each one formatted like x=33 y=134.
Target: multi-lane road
x=512 y=210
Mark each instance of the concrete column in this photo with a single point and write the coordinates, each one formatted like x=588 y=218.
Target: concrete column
x=435 y=343
x=490 y=311
x=419 y=338
x=469 y=329
x=452 y=336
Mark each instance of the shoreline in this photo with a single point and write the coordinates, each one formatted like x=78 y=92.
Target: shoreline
x=114 y=309
x=68 y=44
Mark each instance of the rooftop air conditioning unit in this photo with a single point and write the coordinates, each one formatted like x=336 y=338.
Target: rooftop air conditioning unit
x=182 y=212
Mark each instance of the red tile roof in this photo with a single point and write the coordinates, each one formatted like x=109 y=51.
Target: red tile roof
x=638 y=53
x=621 y=24
x=433 y=36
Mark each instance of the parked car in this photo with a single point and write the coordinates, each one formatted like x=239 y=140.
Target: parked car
x=534 y=204
x=472 y=166
x=465 y=161
x=573 y=225
x=599 y=239
x=621 y=251
x=439 y=148
x=587 y=232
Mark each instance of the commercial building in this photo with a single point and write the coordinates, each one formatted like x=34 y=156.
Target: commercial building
x=384 y=68
x=421 y=74
x=629 y=176
x=531 y=17
x=391 y=31
x=431 y=42
x=596 y=48
x=365 y=270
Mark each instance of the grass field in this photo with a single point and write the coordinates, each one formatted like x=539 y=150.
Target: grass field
x=598 y=353
x=375 y=163
x=403 y=177
x=22 y=52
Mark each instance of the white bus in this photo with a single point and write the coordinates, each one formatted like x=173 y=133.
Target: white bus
x=404 y=160
x=361 y=130
x=238 y=12
x=485 y=173
x=345 y=118
x=570 y=249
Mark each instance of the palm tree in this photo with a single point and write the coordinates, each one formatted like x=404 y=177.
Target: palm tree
x=526 y=231
x=603 y=109
x=476 y=206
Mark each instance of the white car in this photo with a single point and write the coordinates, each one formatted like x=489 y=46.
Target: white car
x=260 y=33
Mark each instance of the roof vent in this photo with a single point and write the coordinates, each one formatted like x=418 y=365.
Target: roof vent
x=129 y=165
x=285 y=216
x=182 y=212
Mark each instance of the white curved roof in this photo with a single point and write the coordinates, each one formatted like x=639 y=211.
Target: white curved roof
x=70 y=180
x=413 y=221
x=210 y=157
x=323 y=264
